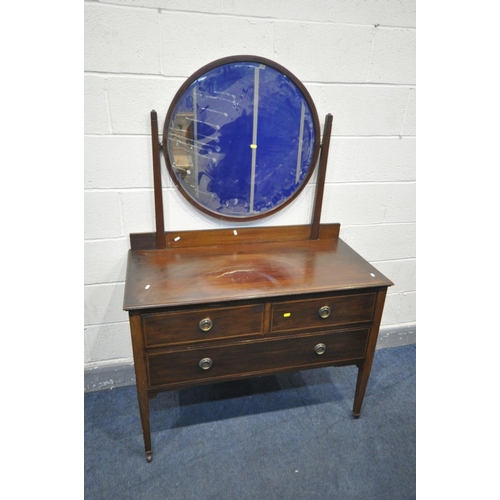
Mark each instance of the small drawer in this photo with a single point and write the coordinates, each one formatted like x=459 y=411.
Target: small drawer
x=208 y=364
x=320 y=313
x=179 y=327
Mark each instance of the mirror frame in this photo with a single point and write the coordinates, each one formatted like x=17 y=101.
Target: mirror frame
x=180 y=93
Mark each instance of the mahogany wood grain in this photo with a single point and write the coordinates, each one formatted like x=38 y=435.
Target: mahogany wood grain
x=320 y=183
x=365 y=366
x=303 y=315
x=141 y=379
x=201 y=275
x=211 y=237
x=253 y=358
x=160 y=225
x=249 y=286
x=182 y=327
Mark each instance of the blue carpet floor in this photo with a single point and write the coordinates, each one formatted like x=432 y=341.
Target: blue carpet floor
x=282 y=437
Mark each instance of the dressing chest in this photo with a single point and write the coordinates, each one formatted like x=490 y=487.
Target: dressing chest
x=240 y=141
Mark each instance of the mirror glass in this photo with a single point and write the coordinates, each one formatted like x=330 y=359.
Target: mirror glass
x=241 y=139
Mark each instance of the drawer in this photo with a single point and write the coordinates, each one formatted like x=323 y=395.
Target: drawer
x=178 y=327
x=254 y=357
x=320 y=313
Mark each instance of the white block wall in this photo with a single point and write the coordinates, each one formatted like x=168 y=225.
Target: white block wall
x=357 y=59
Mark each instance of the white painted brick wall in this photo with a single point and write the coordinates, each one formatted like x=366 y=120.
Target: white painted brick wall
x=118 y=161
x=349 y=62
x=199 y=39
x=393 y=56
x=356 y=58
x=121 y=40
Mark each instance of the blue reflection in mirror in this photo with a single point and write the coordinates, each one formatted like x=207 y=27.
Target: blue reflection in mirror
x=241 y=139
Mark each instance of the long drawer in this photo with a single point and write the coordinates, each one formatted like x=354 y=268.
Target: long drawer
x=179 y=327
x=254 y=357
x=322 y=313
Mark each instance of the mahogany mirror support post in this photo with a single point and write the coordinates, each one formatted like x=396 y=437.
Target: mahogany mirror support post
x=160 y=226
x=320 y=182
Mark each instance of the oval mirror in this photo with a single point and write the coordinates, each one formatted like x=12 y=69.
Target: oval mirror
x=241 y=138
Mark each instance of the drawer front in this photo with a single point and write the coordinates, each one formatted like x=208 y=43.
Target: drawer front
x=254 y=357
x=179 y=327
x=321 y=313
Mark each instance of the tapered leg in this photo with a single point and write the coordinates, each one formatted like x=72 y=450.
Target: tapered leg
x=146 y=429
x=365 y=366
x=362 y=381
x=141 y=381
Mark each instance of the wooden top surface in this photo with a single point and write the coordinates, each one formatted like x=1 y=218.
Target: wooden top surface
x=221 y=273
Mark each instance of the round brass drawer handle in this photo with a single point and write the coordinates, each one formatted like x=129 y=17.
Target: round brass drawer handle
x=319 y=349
x=205 y=363
x=324 y=312
x=206 y=324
